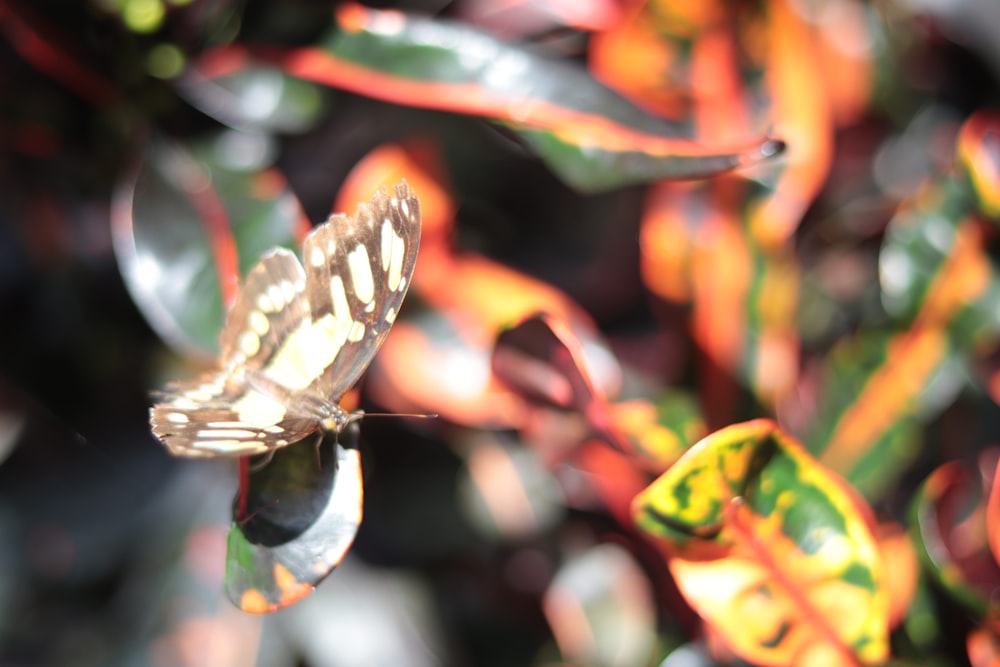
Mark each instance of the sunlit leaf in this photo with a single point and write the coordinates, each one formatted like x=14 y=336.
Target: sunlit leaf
x=590 y=136
x=771 y=549
x=728 y=71
x=294 y=521
x=189 y=221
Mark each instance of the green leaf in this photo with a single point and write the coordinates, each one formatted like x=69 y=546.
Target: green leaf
x=189 y=222
x=590 y=136
x=254 y=97
x=295 y=520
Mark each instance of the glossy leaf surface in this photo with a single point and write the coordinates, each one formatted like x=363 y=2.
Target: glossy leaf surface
x=255 y=98
x=590 y=136
x=190 y=222
x=771 y=549
x=294 y=521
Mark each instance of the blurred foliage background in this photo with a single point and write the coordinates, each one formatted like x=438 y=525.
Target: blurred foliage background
x=645 y=223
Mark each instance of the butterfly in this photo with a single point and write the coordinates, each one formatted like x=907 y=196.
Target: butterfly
x=298 y=336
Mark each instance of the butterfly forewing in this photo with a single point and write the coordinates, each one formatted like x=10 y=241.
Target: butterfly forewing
x=358 y=269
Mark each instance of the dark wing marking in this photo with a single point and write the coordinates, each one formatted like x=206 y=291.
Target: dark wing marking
x=358 y=269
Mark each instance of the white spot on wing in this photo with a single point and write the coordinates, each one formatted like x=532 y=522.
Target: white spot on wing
x=307 y=352
x=226 y=445
x=277 y=300
x=396 y=261
x=288 y=290
x=357 y=332
x=177 y=418
x=338 y=297
x=249 y=343
x=361 y=273
x=316 y=257
x=220 y=433
x=264 y=303
x=257 y=410
x=258 y=322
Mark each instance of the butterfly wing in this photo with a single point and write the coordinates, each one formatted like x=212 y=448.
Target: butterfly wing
x=270 y=305
x=222 y=414
x=298 y=333
x=358 y=269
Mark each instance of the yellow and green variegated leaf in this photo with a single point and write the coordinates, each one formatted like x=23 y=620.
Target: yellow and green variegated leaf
x=771 y=549
x=660 y=430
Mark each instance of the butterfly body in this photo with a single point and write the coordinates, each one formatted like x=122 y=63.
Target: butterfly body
x=298 y=336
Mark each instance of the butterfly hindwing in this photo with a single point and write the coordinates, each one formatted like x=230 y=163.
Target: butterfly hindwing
x=358 y=269
x=217 y=416
x=270 y=305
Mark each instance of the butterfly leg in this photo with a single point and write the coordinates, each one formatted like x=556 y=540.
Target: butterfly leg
x=260 y=465
x=319 y=441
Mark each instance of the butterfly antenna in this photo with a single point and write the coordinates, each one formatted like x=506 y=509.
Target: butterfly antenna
x=417 y=415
